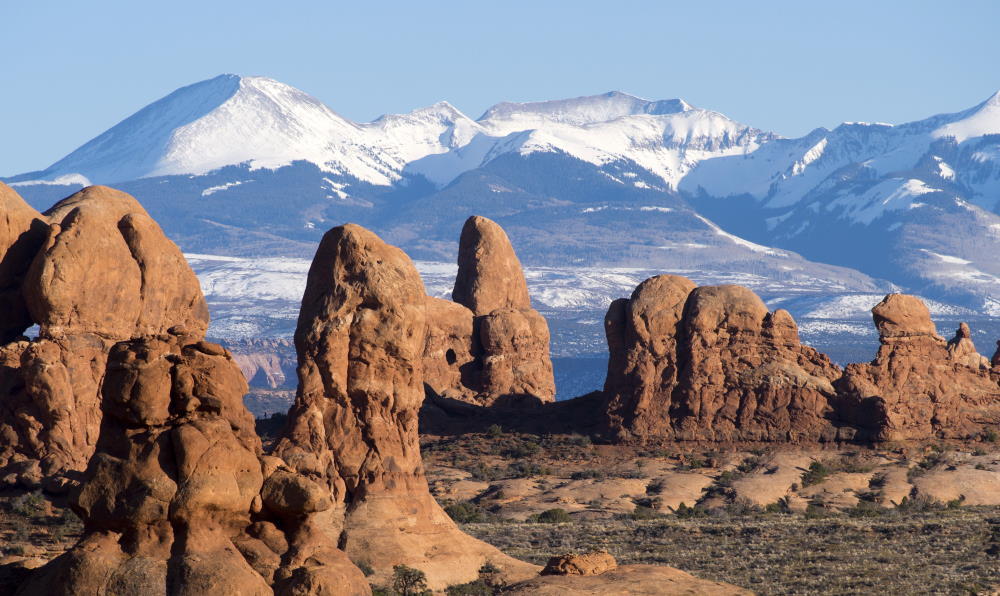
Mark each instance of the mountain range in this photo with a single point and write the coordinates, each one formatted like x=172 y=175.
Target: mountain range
x=250 y=167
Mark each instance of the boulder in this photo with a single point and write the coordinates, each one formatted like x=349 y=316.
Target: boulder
x=489 y=347
x=919 y=386
x=171 y=494
x=593 y=563
x=353 y=426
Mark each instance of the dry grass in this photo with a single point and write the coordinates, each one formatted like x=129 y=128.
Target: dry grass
x=954 y=551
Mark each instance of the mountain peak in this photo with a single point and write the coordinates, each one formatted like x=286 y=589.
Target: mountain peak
x=981 y=120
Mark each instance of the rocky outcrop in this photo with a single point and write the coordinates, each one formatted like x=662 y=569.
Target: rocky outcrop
x=919 y=386
x=712 y=364
x=178 y=499
x=22 y=232
x=104 y=273
x=489 y=346
x=593 y=563
x=353 y=427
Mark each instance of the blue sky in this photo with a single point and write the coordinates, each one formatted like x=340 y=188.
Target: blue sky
x=72 y=69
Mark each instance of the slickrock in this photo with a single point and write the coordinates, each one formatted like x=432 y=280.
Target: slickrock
x=918 y=386
x=105 y=273
x=353 y=427
x=711 y=363
x=172 y=500
x=627 y=580
x=22 y=232
x=495 y=348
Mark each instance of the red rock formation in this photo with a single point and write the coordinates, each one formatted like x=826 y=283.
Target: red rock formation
x=491 y=346
x=353 y=427
x=177 y=498
x=745 y=376
x=919 y=386
x=713 y=364
x=105 y=273
x=22 y=232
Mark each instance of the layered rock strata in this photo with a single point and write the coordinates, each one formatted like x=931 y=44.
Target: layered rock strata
x=712 y=364
x=919 y=386
x=103 y=272
x=488 y=346
x=353 y=427
x=178 y=498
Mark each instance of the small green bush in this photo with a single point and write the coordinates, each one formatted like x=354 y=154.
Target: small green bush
x=407 y=581
x=551 y=516
x=816 y=473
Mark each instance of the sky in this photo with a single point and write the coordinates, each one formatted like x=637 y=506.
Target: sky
x=72 y=69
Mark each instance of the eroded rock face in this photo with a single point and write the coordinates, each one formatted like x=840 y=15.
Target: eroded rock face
x=353 y=427
x=489 y=346
x=22 y=232
x=713 y=364
x=178 y=499
x=104 y=273
x=919 y=386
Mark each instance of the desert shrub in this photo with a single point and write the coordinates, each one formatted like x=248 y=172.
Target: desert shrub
x=990 y=436
x=495 y=431
x=749 y=465
x=365 y=567
x=779 y=506
x=28 y=504
x=486 y=473
x=585 y=474
x=407 y=581
x=685 y=512
x=645 y=512
x=550 y=516
x=817 y=472
x=465 y=512
x=522 y=469
x=741 y=507
x=522 y=449
x=579 y=440
x=488 y=583
x=865 y=508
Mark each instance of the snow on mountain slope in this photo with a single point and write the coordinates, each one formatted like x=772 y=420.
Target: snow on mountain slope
x=233 y=120
x=781 y=173
x=664 y=137
x=225 y=121
x=507 y=117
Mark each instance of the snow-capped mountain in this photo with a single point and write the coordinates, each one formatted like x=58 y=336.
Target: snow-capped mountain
x=248 y=166
x=232 y=120
x=915 y=202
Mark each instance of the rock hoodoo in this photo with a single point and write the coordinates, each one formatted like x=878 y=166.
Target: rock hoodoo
x=712 y=363
x=103 y=273
x=919 y=386
x=353 y=427
x=178 y=498
x=489 y=345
